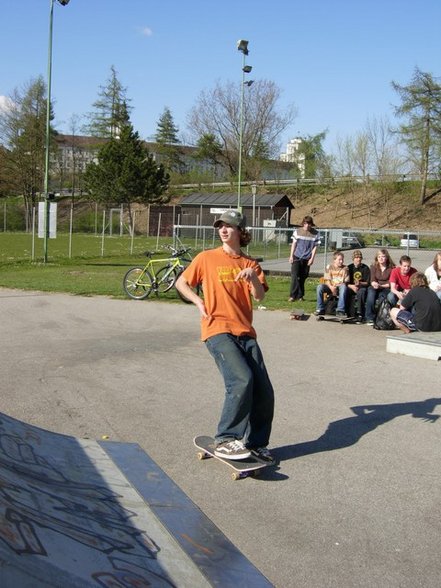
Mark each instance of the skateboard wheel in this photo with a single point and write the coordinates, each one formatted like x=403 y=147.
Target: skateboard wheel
x=235 y=476
x=201 y=455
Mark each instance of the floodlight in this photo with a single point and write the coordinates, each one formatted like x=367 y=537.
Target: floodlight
x=242 y=45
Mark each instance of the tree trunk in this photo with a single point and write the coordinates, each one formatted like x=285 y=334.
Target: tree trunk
x=425 y=161
x=424 y=173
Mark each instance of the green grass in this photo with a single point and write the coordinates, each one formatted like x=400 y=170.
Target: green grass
x=89 y=273
x=19 y=246
x=93 y=277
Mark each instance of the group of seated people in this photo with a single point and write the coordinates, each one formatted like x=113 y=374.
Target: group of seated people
x=415 y=297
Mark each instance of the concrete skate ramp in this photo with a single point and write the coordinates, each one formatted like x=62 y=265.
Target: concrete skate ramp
x=80 y=513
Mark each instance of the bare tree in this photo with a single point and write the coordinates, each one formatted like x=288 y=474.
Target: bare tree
x=362 y=160
x=77 y=160
x=344 y=158
x=385 y=153
x=218 y=113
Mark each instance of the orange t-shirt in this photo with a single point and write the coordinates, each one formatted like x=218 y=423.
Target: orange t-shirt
x=228 y=303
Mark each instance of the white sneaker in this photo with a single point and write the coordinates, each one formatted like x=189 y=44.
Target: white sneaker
x=233 y=449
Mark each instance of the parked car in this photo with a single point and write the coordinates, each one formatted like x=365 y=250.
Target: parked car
x=410 y=241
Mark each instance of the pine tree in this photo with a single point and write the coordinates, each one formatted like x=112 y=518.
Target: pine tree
x=421 y=105
x=106 y=120
x=126 y=172
x=168 y=142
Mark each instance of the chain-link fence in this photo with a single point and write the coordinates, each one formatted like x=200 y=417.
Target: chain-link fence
x=274 y=244
x=165 y=222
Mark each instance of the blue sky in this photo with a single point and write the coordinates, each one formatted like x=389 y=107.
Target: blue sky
x=333 y=59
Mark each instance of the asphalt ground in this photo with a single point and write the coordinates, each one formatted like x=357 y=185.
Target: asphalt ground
x=354 y=501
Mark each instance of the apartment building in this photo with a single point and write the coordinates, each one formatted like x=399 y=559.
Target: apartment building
x=293 y=155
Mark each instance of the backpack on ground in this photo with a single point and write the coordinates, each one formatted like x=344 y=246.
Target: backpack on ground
x=383 y=321
x=331 y=305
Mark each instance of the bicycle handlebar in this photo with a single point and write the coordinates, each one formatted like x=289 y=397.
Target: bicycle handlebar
x=174 y=252
x=178 y=252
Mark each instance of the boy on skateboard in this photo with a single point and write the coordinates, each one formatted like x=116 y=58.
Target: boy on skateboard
x=229 y=279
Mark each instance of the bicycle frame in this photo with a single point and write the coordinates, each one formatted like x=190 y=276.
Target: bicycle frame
x=158 y=275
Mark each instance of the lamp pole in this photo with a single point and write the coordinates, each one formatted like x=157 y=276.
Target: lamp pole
x=254 y=191
x=242 y=46
x=48 y=127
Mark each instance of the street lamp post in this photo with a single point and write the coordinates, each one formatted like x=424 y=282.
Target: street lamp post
x=253 y=192
x=242 y=46
x=48 y=126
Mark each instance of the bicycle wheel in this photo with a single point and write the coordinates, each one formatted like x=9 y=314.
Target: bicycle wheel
x=166 y=278
x=138 y=283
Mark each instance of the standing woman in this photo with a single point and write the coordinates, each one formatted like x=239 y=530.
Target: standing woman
x=433 y=275
x=305 y=241
x=380 y=284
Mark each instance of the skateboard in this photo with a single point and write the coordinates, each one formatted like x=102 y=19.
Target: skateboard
x=337 y=319
x=243 y=468
x=297 y=314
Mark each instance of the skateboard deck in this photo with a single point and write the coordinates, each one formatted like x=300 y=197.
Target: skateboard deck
x=297 y=314
x=336 y=319
x=243 y=468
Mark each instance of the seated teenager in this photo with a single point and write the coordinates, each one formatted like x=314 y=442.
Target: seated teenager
x=334 y=284
x=400 y=280
x=358 y=282
x=433 y=275
x=379 y=287
x=420 y=309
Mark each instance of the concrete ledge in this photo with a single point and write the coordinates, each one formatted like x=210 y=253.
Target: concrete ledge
x=424 y=345
x=79 y=513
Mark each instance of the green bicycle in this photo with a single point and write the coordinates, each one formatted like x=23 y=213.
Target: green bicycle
x=158 y=275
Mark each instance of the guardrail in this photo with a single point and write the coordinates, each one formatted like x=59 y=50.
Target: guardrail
x=314 y=181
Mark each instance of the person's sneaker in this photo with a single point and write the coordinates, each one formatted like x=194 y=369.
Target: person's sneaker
x=265 y=454
x=341 y=314
x=319 y=312
x=369 y=323
x=404 y=328
x=233 y=449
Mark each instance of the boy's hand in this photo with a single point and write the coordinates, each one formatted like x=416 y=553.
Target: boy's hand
x=247 y=274
x=201 y=307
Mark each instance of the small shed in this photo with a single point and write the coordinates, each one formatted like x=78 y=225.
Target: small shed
x=203 y=209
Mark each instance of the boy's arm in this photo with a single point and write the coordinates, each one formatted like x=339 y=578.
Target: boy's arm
x=365 y=277
x=393 y=286
x=293 y=248
x=186 y=291
x=311 y=259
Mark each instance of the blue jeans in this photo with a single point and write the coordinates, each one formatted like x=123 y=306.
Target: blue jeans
x=323 y=288
x=371 y=298
x=248 y=408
